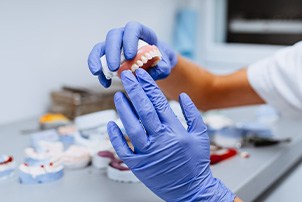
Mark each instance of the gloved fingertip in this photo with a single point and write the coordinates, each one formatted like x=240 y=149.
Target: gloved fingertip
x=184 y=98
x=144 y=78
x=110 y=125
x=95 y=72
x=105 y=82
x=140 y=72
x=130 y=54
x=113 y=132
x=113 y=66
x=94 y=66
x=159 y=72
x=126 y=74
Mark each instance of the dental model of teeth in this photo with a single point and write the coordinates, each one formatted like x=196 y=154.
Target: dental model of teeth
x=102 y=159
x=47 y=152
x=116 y=169
x=66 y=135
x=7 y=166
x=36 y=174
x=46 y=136
x=93 y=130
x=74 y=157
x=147 y=56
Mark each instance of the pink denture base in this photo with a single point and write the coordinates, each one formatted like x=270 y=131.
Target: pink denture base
x=147 y=56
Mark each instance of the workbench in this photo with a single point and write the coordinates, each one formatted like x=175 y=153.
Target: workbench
x=248 y=178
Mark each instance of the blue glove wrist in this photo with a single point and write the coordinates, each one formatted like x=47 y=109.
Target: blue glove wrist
x=172 y=161
x=215 y=191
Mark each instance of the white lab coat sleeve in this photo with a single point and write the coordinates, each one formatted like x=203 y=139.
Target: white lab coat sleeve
x=278 y=80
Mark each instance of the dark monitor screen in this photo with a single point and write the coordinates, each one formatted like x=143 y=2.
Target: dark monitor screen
x=264 y=22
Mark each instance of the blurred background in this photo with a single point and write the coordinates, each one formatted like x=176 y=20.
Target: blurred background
x=45 y=44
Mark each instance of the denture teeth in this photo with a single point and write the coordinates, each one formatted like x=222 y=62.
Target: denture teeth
x=144 y=59
x=149 y=56
x=134 y=67
x=139 y=63
x=157 y=53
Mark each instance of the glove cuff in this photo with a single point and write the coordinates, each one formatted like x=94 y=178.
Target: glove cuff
x=216 y=191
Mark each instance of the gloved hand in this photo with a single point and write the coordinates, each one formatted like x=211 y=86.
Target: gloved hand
x=127 y=37
x=171 y=161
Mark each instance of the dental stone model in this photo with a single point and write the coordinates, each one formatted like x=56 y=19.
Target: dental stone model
x=44 y=173
x=93 y=130
x=7 y=166
x=45 y=152
x=147 y=56
x=118 y=171
x=67 y=135
x=102 y=159
x=74 y=157
x=47 y=136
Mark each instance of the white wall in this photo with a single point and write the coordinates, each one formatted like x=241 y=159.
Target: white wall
x=44 y=44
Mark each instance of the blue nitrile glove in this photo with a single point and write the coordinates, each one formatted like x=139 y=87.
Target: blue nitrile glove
x=171 y=161
x=127 y=37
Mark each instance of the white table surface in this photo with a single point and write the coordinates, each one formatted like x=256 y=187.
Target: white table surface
x=248 y=178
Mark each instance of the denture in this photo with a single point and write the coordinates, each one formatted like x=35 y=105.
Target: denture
x=147 y=57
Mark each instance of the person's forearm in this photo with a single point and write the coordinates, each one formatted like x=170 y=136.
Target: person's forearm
x=209 y=91
x=237 y=199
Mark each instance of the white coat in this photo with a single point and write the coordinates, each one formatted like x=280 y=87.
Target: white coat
x=278 y=80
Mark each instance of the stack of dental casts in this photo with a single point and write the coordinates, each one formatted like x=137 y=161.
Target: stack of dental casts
x=84 y=142
x=147 y=56
x=72 y=146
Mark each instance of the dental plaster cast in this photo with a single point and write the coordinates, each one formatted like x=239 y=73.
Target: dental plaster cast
x=118 y=171
x=7 y=166
x=102 y=159
x=47 y=152
x=44 y=173
x=217 y=121
x=93 y=131
x=74 y=157
x=67 y=135
x=47 y=136
x=147 y=56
